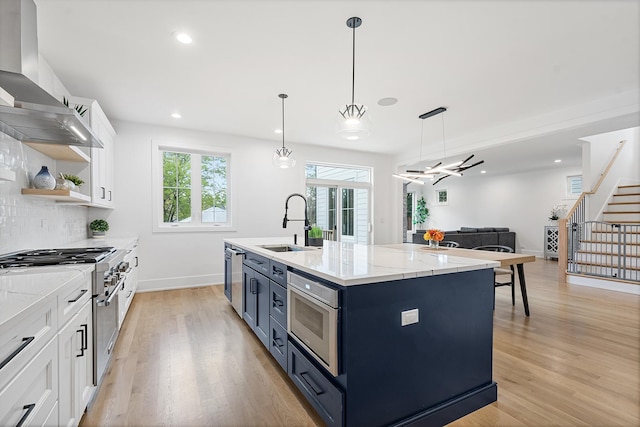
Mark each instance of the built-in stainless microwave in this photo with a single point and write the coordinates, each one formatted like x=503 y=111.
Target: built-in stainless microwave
x=312 y=319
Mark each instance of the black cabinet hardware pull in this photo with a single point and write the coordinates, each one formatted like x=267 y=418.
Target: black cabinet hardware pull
x=277 y=302
x=278 y=342
x=82 y=292
x=82 y=339
x=257 y=261
x=311 y=383
x=84 y=336
x=29 y=408
x=278 y=271
x=136 y=261
x=25 y=342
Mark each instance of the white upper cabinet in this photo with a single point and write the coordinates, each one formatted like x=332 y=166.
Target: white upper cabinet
x=101 y=176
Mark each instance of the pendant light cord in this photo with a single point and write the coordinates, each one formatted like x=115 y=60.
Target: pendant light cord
x=283 y=123
x=444 y=145
x=353 y=66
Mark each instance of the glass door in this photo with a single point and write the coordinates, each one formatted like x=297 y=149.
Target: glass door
x=341 y=212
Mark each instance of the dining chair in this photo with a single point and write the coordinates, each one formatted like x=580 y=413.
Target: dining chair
x=499 y=272
x=449 y=244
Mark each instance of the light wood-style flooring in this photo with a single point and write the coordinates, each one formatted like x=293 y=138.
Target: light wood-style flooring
x=185 y=358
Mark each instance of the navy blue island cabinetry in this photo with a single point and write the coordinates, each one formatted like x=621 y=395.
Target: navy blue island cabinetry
x=411 y=352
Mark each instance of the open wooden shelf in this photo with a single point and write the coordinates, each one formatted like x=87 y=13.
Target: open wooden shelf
x=61 y=152
x=57 y=195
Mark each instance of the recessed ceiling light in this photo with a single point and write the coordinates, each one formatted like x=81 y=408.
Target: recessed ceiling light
x=176 y=115
x=183 y=37
x=278 y=131
x=385 y=102
x=557 y=161
x=483 y=171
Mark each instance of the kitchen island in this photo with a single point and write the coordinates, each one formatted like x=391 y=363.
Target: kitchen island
x=413 y=336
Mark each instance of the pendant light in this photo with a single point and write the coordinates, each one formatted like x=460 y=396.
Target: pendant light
x=354 y=122
x=282 y=156
x=437 y=172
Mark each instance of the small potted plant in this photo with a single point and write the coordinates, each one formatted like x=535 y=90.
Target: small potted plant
x=315 y=236
x=99 y=228
x=68 y=182
x=77 y=181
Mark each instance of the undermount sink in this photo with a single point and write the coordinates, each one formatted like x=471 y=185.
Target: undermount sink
x=287 y=248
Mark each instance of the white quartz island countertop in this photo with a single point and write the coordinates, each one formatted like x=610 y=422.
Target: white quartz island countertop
x=349 y=264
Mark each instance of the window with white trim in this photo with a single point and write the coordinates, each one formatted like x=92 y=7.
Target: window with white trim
x=192 y=189
x=574 y=185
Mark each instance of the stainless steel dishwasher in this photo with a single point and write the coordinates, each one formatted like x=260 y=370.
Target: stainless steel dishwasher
x=233 y=277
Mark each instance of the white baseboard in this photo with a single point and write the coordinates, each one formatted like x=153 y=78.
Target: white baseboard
x=166 y=284
x=604 y=284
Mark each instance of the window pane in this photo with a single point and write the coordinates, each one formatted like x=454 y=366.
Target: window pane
x=410 y=211
x=337 y=173
x=176 y=178
x=347 y=212
x=574 y=185
x=184 y=205
x=214 y=189
x=170 y=204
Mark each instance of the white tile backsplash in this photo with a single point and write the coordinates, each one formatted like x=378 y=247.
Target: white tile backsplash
x=30 y=222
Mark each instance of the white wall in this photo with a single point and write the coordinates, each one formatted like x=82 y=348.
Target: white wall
x=30 y=222
x=522 y=202
x=259 y=190
x=599 y=151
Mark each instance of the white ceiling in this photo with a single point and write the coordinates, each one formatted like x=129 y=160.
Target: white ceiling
x=539 y=74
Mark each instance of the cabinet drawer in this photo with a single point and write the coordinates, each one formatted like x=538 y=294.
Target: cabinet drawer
x=278 y=343
x=73 y=298
x=20 y=343
x=278 y=303
x=33 y=394
x=326 y=398
x=278 y=272
x=257 y=262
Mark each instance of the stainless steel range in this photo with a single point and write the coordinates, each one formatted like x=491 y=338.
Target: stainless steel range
x=108 y=278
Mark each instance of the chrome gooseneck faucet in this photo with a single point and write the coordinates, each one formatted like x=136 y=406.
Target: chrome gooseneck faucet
x=307 y=227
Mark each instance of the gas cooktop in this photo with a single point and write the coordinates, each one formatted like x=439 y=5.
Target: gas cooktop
x=40 y=257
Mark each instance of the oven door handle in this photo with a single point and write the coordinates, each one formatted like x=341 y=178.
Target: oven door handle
x=108 y=301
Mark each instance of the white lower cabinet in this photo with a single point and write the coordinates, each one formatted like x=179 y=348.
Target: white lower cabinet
x=75 y=355
x=125 y=297
x=30 y=399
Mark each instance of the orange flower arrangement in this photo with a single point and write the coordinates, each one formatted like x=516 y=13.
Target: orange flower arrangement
x=434 y=234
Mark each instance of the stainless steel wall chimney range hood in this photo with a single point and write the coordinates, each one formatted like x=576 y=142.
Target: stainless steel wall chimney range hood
x=36 y=115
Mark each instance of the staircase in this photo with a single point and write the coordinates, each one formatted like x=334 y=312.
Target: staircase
x=624 y=207
x=611 y=247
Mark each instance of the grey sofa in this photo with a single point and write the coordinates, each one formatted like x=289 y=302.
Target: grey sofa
x=470 y=237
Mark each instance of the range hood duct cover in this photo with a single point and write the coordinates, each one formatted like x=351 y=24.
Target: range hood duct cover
x=36 y=115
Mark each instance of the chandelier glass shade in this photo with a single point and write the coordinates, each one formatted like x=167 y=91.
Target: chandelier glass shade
x=282 y=156
x=354 y=121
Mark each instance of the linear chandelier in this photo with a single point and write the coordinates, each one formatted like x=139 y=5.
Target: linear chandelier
x=354 y=122
x=282 y=156
x=437 y=172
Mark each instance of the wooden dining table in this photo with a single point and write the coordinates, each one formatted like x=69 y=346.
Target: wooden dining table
x=505 y=259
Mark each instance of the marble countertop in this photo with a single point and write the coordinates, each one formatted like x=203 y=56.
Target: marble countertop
x=349 y=264
x=24 y=287
x=117 y=242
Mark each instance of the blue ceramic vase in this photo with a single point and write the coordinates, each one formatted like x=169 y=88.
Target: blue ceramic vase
x=44 y=180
